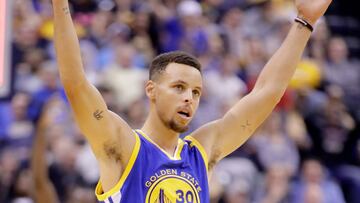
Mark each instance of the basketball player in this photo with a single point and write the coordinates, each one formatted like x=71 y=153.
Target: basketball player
x=152 y=164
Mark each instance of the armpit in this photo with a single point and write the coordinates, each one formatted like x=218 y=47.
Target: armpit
x=112 y=151
x=214 y=159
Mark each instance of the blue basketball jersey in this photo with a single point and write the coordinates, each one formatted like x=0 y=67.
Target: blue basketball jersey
x=154 y=176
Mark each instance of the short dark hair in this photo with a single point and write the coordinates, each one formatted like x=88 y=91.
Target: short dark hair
x=159 y=64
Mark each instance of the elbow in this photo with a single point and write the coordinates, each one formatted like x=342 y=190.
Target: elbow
x=276 y=95
x=276 y=98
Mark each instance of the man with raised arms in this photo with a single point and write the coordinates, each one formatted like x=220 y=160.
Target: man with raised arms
x=152 y=164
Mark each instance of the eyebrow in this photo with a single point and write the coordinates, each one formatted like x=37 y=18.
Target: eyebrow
x=185 y=83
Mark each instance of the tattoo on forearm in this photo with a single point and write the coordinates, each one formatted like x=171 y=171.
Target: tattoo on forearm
x=246 y=126
x=97 y=114
x=66 y=10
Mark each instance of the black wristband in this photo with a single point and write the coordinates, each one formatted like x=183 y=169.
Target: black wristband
x=304 y=23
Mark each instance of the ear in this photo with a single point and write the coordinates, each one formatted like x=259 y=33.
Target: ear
x=150 y=89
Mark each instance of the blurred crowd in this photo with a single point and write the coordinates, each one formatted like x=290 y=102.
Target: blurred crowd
x=308 y=150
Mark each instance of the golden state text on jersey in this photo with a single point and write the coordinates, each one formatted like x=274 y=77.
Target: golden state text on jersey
x=154 y=176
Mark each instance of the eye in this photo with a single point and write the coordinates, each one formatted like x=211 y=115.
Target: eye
x=196 y=93
x=179 y=87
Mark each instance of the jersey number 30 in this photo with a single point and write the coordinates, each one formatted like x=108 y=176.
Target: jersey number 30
x=184 y=196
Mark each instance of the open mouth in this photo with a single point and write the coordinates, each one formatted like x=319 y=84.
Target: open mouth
x=184 y=113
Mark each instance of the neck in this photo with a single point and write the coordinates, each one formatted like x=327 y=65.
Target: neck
x=159 y=133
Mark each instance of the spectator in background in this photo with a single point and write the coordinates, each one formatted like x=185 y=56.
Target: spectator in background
x=237 y=177
x=330 y=128
x=50 y=86
x=22 y=185
x=281 y=27
x=26 y=37
x=225 y=79
x=260 y=20
x=62 y=170
x=9 y=163
x=275 y=186
x=122 y=74
x=315 y=185
x=136 y=113
x=60 y=182
x=273 y=146
x=296 y=130
x=16 y=129
x=98 y=32
x=349 y=178
x=255 y=58
x=144 y=35
x=27 y=72
x=341 y=71
x=184 y=31
x=319 y=41
x=211 y=60
x=81 y=194
x=232 y=30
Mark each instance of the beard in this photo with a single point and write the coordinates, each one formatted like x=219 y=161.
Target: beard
x=173 y=125
x=176 y=127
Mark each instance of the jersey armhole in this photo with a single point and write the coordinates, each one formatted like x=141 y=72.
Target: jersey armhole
x=99 y=192
x=201 y=149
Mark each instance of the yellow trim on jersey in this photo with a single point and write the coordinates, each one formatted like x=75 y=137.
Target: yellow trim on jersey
x=177 y=150
x=197 y=144
x=100 y=194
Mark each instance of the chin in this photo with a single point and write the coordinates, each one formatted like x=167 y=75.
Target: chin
x=178 y=127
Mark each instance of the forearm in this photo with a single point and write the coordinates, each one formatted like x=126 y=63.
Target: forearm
x=46 y=194
x=43 y=188
x=279 y=70
x=67 y=46
x=38 y=158
x=240 y=121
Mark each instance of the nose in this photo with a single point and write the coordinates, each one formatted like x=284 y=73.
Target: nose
x=188 y=97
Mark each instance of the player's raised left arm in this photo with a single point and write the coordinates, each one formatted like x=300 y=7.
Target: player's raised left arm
x=225 y=135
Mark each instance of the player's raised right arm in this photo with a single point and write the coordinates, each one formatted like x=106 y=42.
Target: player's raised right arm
x=111 y=139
